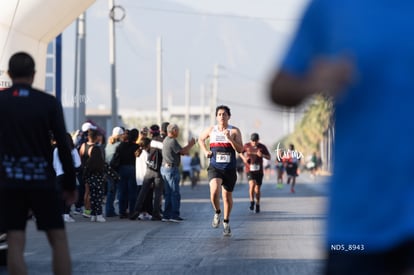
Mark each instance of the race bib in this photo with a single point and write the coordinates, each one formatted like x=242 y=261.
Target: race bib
x=254 y=167
x=223 y=157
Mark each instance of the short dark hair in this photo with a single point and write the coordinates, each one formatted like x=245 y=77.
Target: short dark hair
x=223 y=107
x=21 y=64
x=254 y=137
x=164 y=126
x=133 y=135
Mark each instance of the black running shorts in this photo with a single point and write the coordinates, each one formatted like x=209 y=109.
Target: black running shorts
x=45 y=204
x=257 y=177
x=229 y=177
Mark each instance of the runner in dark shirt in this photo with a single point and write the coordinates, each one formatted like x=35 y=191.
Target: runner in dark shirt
x=28 y=117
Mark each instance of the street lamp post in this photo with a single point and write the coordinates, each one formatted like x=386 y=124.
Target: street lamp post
x=114 y=18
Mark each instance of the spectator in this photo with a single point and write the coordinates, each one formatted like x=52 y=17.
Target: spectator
x=171 y=153
x=152 y=183
x=186 y=170
x=128 y=185
x=27 y=117
x=57 y=165
x=195 y=168
x=112 y=187
x=94 y=176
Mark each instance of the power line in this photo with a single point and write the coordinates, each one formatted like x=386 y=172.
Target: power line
x=212 y=14
x=250 y=106
x=242 y=75
x=131 y=46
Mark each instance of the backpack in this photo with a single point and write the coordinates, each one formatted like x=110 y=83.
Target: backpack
x=154 y=159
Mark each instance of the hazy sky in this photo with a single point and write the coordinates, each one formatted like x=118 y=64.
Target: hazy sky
x=280 y=14
x=242 y=87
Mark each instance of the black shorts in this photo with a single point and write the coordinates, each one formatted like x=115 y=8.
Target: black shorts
x=229 y=177
x=397 y=260
x=45 y=204
x=257 y=177
x=185 y=175
x=292 y=169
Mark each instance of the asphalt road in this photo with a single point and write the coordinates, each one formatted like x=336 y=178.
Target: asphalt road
x=286 y=237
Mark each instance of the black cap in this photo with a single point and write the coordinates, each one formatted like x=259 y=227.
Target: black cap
x=254 y=137
x=154 y=130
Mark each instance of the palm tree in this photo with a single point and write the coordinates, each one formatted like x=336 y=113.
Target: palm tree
x=314 y=133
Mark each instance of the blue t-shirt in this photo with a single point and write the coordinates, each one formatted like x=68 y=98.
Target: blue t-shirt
x=372 y=190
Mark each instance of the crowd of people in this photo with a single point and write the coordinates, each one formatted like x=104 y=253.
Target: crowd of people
x=121 y=171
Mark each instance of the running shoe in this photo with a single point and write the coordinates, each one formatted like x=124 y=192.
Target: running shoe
x=77 y=211
x=144 y=216
x=147 y=216
x=68 y=218
x=257 y=208
x=279 y=185
x=100 y=218
x=177 y=219
x=216 y=221
x=87 y=213
x=226 y=229
x=251 y=206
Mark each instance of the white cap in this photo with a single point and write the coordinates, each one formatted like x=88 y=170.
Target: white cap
x=87 y=125
x=117 y=131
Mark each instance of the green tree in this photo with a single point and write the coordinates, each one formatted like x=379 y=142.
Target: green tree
x=313 y=127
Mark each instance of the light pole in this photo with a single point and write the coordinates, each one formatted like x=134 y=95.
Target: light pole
x=114 y=18
x=214 y=96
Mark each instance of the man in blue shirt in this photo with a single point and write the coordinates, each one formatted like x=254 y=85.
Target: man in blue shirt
x=364 y=60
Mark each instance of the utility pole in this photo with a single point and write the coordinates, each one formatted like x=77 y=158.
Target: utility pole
x=214 y=94
x=81 y=70
x=202 y=115
x=75 y=85
x=187 y=104
x=292 y=119
x=58 y=65
x=159 y=81
x=112 y=57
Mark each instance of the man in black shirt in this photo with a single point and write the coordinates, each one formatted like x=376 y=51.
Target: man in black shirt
x=28 y=117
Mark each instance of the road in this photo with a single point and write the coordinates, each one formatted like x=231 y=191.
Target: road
x=286 y=237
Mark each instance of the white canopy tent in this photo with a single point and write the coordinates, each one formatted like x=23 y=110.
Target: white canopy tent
x=29 y=25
